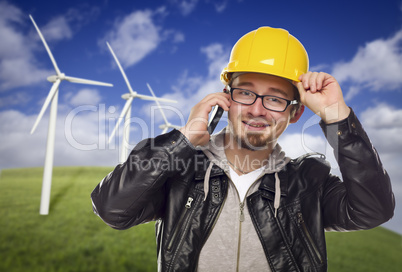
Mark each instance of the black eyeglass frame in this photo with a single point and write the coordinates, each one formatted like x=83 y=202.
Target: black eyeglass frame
x=288 y=102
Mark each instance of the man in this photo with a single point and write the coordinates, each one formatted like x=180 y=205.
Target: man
x=233 y=201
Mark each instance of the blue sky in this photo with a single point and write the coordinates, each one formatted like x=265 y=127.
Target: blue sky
x=179 y=48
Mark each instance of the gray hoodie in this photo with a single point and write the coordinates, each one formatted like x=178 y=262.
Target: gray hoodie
x=233 y=244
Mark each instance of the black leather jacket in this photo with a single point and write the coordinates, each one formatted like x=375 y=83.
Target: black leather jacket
x=169 y=189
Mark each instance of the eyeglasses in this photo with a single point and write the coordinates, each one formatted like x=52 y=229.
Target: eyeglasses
x=270 y=102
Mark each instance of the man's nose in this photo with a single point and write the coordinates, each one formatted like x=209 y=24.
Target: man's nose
x=257 y=109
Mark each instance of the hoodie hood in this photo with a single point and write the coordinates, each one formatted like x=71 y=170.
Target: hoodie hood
x=215 y=152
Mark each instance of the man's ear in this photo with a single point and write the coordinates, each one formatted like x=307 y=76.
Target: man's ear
x=297 y=115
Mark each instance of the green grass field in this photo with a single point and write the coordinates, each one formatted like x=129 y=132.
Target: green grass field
x=72 y=238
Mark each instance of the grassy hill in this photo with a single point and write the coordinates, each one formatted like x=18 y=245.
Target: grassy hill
x=72 y=238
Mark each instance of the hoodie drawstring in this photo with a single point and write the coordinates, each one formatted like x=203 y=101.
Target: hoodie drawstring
x=206 y=179
x=277 y=193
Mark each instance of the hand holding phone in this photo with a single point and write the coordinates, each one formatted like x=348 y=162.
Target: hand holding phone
x=196 y=129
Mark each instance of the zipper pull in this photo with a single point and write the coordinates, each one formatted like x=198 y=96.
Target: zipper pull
x=300 y=219
x=241 y=211
x=189 y=201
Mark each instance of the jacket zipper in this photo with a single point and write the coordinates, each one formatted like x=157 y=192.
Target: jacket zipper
x=241 y=205
x=301 y=222
x=241 y=219
x=180 y=222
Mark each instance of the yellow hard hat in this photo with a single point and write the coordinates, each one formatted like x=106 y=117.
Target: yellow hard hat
x=270 y=51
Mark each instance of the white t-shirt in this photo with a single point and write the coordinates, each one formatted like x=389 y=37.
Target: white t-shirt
x=243 y=182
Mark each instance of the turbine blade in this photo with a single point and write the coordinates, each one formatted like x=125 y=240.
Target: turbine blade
x=46 y=46
x=159 y=105
x=86 y=81
x=165 y=130
x=122 y=114
x=148 y=97
x=49 y=98
x=121 y=69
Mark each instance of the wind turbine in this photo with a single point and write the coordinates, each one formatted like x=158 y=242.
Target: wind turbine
x=53 y=97
x=126 y=112
x=165 y=127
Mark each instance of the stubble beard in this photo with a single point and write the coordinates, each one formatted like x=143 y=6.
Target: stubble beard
x=252 y=141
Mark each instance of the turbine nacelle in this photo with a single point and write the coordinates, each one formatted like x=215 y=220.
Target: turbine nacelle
x=127 y=96
x=163 y=126
x=61 y=76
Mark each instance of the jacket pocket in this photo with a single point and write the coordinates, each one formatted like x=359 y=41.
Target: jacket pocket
x=310 y=244
x=181 y=223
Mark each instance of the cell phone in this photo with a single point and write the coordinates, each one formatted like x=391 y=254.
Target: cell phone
x=215 y=116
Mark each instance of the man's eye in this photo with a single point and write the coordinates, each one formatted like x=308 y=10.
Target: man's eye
x=274 y=100
x=245 y=93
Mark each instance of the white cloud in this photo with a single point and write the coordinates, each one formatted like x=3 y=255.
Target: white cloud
x=85 y=96
x=20 y=71
x=12 y=41
x=178 y=37
x=217 y=58
x=82 y=14
x=185 y=6
x=137 y=35
x=174 y=35
x=383 y=124
x=17 y=64
x=134 y=37
x=15 y=99
x=221 y=5
x=297 y=144
x=64 y=26
x=352 y=92
x=57 y=29
x=377 y=66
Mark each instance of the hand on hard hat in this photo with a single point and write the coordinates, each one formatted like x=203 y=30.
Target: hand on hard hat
x=321 y=93
x=196 y=128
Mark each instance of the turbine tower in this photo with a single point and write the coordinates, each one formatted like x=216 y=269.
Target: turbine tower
x=126 y=112
x=165 y=127
x=53 y=97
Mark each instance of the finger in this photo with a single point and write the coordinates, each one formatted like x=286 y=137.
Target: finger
x=313 y=82
x=305 y=78
x=225 y=98
x=222 y=102
x=320 y=80
x=220 y=99
x=300 y=88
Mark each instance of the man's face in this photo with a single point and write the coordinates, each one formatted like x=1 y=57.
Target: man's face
x=253 y=126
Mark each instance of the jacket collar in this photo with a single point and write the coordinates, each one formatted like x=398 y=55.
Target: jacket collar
x=201 y=170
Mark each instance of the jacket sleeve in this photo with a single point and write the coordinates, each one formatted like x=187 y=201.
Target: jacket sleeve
x=364 y=199
x=134 y=192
